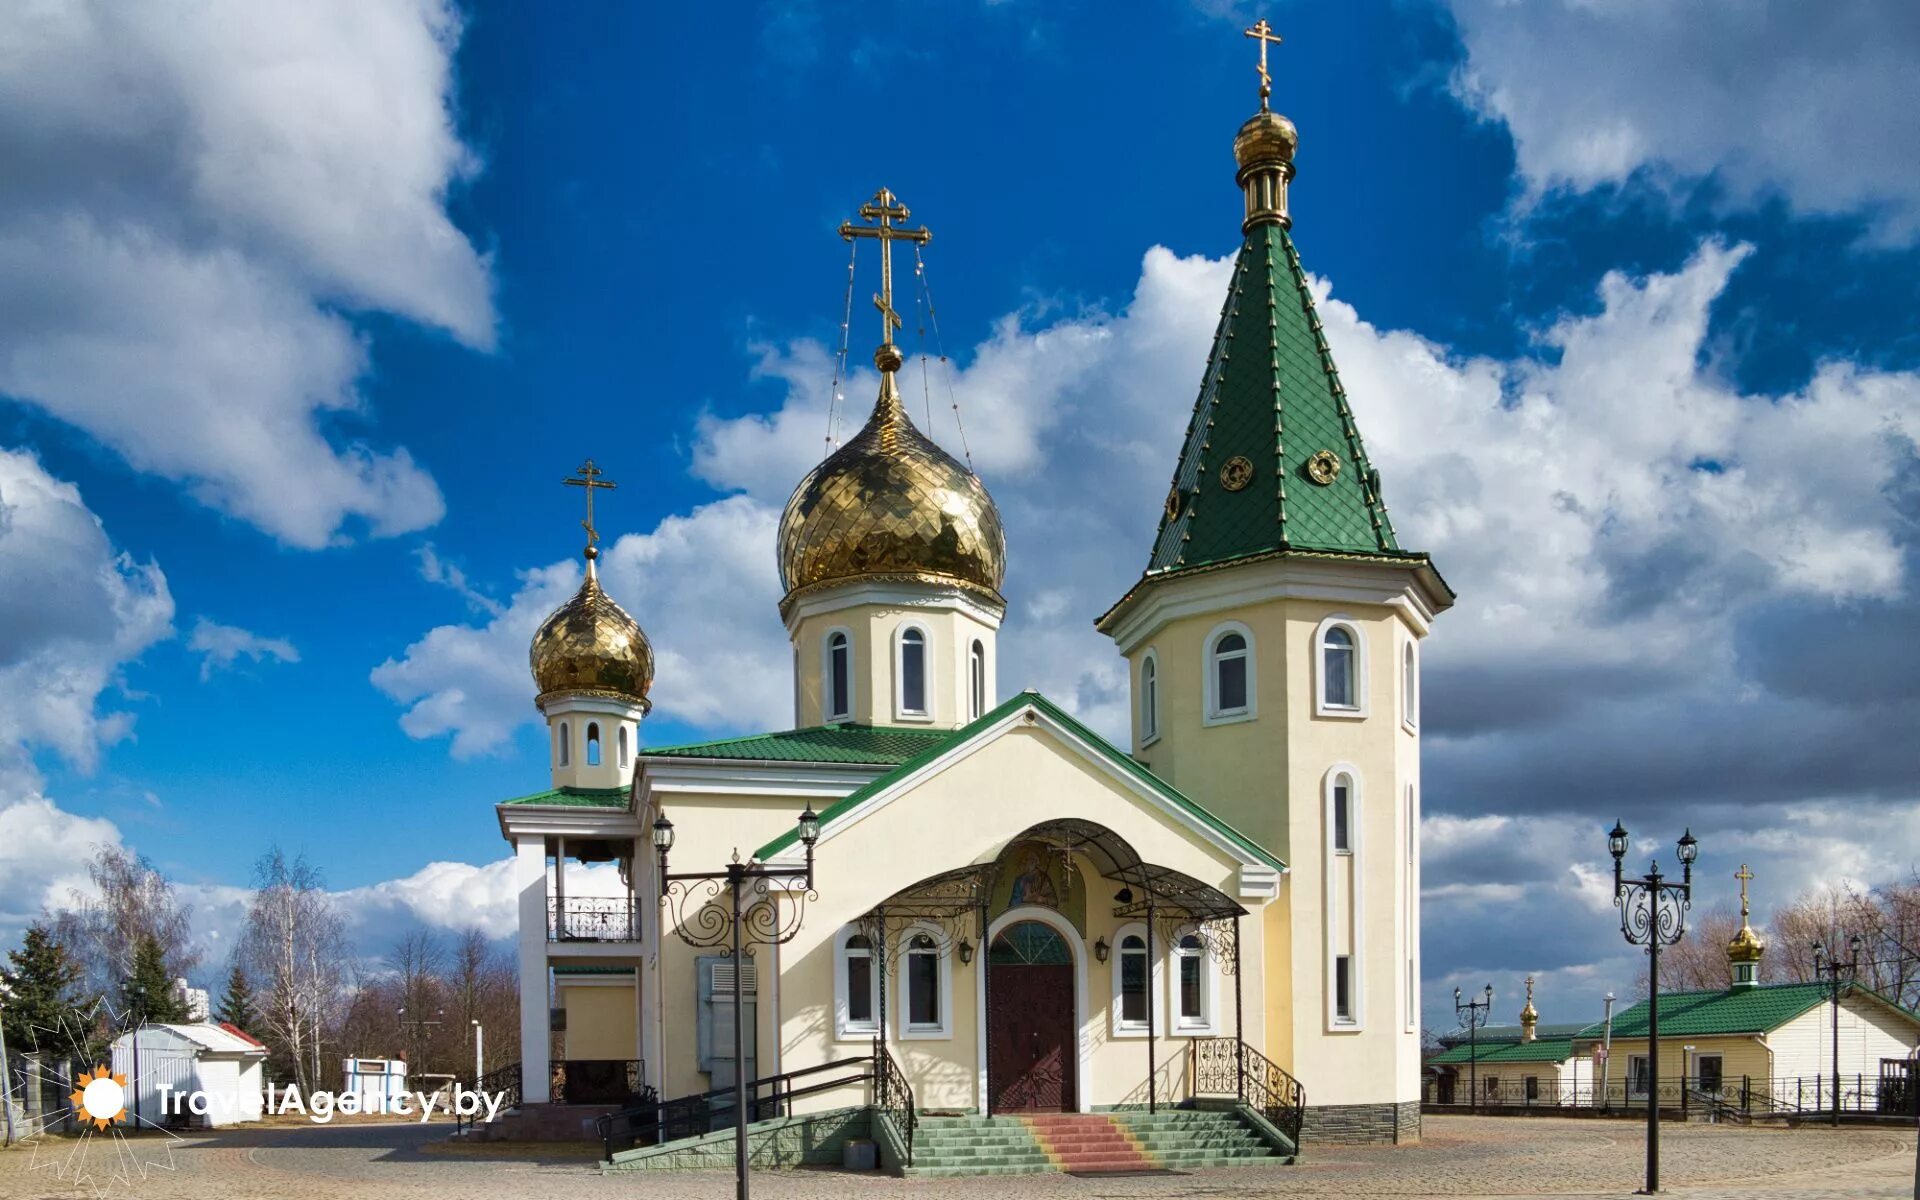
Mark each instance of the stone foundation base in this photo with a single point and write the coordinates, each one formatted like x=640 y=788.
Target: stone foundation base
x=1353 y=1124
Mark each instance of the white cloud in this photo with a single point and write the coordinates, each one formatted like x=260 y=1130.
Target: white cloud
x=196 y=195
x=220 y=646
x=1819 y=103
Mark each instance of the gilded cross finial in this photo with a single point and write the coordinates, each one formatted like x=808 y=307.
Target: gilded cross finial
x=588 y=477
x=1743 y=875
x=1264 y=34
x=880 y=213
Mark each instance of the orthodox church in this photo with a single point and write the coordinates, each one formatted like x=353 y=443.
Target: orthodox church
x=964 y=887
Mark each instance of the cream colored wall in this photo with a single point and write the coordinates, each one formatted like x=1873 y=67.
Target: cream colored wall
x=1740 y=1055
x=951 y=632
x=1869 y=1032
x=967 y=814
x=602 y=1021
x=1233 y=769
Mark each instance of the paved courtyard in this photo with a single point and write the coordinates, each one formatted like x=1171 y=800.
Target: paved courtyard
x=1462 y=1156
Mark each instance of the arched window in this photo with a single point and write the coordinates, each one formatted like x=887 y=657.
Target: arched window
x=977 y=680
x=1340 y=667
x=923 y=987
x=1342 y=815
x=1149 y=698
x=856 y=985
x=566 y=745
x=1192 y=1005
x=1130 y=981
x=593 y=743
x=913 y=672
x=1409 y=688
x=839 y=676
x=1230 y=674
x=626 y=755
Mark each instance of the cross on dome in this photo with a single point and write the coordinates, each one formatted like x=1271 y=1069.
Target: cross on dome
x=880 y=213
x=1264 y=34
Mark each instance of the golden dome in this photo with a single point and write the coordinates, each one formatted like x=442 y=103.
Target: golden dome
x=1266 y=137
x=891 y=503
x=590 y=645
x=1746 y=946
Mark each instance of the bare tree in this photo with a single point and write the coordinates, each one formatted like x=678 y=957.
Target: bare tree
x=295 y=949
x=1886 y=919
x=130 y=902
x=485 y=988
x=416 y=963
x=1698 y=961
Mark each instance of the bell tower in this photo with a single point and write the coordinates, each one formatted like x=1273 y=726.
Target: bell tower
x=1273 y=644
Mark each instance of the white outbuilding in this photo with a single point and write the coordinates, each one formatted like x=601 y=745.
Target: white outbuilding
x=199 y=1076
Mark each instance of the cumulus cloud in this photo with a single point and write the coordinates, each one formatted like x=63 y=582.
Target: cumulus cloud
x=1817 y=103
x=221 y=646
x=195 y=198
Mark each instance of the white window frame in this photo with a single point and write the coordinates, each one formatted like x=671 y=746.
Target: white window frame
x=1214 y=714
x=1332 y=916
x=1632 y=1092
x=943 y=956
x=900 y=710
x=1208 y=1021
x=1149 y=706
x=625 y=740
x=845 y=1028
x=1410 y=687
x=1358 y=710
x=566 y=745
x=1334 y=814
x=1117 y=957
x=828 y=716
x=1349 y=1019
x=976 y=679
x=596 y=753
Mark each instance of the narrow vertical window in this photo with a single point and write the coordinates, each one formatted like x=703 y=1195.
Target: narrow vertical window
x=1343 y=815
x=923 y=984
x=858 y=983
x=566 y=745
x=839 y=677
x=593 y=743
x=977 y=679
x=1149 y=698
x=1336 y=668
x=1189 y=959
x=1411 y=888
x=1410 y=687
x=625 y=753
x=1133 y=981
x=913 y=672
x=1230 y=675
x=1343 y=988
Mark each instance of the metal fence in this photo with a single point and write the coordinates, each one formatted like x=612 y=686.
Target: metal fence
x=1743 y=1096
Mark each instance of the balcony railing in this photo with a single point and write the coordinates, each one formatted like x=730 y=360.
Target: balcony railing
x=592 y=919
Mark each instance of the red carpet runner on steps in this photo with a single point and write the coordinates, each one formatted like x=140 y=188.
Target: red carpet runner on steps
x=1088 y=1142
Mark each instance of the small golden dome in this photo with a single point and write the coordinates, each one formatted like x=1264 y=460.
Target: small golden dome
x=1746 y=946
x=590 y=645
x=1266 y=137
x=891 y=503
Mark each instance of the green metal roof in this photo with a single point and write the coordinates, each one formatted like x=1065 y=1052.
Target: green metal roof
x=1105 y=748
x=1272 y=396
x=860 y=745
x=1494 y=1035
x=1546 y=1049
x=573 y=797
x=1731 y=1010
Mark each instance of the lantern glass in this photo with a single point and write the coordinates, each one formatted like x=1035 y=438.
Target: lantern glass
x=1689 y=848
x=662 y=834
x=1617 y=841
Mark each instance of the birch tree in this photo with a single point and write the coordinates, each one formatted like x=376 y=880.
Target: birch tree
x=295 y=949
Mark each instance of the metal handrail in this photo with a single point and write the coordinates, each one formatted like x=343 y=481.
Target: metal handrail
x=1224 y=1066
x=504 y=1080
x=687 y=1116
x=893 y=1095
x=592 y=919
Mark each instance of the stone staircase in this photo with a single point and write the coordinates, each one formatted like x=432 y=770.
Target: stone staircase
x=1173 y=1139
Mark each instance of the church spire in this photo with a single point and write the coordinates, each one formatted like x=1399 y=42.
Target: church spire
x=1747 y=947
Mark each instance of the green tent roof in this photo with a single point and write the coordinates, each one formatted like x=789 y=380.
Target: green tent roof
x=573 y=797
x=1126 y=762
x=859 y=745
x=1730 y=1010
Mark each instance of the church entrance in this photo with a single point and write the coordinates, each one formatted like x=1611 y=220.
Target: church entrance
x=1031 y=1060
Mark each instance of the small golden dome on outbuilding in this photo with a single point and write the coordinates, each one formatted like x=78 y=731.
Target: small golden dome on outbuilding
x=1267 y=137
x=590 y=646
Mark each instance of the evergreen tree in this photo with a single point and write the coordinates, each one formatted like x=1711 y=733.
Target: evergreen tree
x=236 y=1006
x=42 y=997
x=147 y=992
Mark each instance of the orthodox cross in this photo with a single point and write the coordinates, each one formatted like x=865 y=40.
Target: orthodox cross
x=885 y=208
x=588 y=477
x=1743 y=875
x=1263 y=33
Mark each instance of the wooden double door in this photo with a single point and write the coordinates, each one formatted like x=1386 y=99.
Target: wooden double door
x=1031 y=1030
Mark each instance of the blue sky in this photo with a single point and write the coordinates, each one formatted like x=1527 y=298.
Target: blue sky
x=1624 y=301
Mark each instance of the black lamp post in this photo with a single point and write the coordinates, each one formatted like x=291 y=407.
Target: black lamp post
x=1838 y=975
x=765 y=926
x=1653 y=913
x=1473 y=1014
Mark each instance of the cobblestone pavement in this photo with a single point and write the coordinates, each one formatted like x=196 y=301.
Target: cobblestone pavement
x=1461 y=1157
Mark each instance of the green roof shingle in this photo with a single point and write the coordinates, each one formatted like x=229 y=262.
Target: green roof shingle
x=573 y=797
x=854 y=745
x=1731 y=1010
x=1546 y=1049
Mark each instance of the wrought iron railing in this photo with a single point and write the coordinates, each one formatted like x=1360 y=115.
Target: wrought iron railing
x=1738 y=1097
x=592 y=919
x=651 y=1120
x=1225 y=1066
x=599 y=1081
x=501 y=1081
x=893 y=1095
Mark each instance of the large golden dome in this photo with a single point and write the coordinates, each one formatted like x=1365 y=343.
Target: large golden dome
x=890 y=503
x=591 y=646
x=1746 y=946
x=1265 y=137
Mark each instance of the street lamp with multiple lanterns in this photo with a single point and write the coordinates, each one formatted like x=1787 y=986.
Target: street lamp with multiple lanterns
x=1473 y=1014
x=1838 y=974
x=1653 y=913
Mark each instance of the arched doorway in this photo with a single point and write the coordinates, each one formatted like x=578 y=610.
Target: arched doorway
x=1032 y=1051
